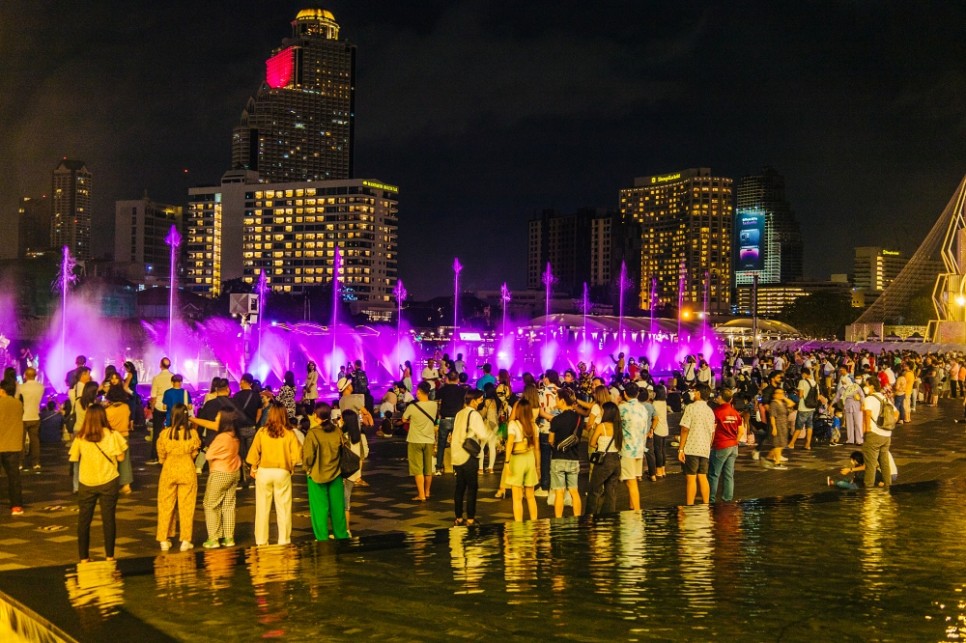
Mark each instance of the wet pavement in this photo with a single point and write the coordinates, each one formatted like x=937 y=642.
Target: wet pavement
x=932 y=447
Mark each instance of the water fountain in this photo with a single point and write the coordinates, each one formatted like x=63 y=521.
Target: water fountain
x=65 y=279
x=457 y=269
x=622 y=285
x=174 y=242
x=261 y=289
x=335 y=359
x=400 y=292
x=548 y=354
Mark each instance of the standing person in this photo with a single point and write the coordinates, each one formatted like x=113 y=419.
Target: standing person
x=220 y=400
x=635 y=424
x=490 y=409
x=608 y=438
x=778 y=419
x=320 y=459
x=522 y=443
x=97 y=450
x=159 y=384
x=421 y=417
x=407 y=375
x=851 y=396
x=286 y=394
x=430 y=375
x=310 y=389
x=878 y=439
x=360 y=384
x=468 y=424
x=274 y=453
x=697 y=431
x=74 y=374
x=565 y=458
x=11 y=443
x=661 y=431
x=119 y=418
x=31 y=393
x=486 y=378
x=808 y=401
x=87 y=400
x=178 y=485
x=248 y=402
x=450 y=397
x=358 y=443
x=729 y=429
x=549 y=387
x=224 y=467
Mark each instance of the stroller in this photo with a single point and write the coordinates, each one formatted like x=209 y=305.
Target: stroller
x=822 y=432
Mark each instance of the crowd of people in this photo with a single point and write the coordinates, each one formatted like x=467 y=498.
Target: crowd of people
x=541 y=429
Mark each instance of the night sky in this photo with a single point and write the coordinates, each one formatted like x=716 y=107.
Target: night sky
x=486 y=112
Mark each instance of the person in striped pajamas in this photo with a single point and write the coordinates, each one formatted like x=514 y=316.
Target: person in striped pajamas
x=224 y=465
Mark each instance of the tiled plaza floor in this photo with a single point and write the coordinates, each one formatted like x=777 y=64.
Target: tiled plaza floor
x=932 y=447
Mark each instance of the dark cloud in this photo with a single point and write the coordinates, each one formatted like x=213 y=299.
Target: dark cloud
x=484 y=112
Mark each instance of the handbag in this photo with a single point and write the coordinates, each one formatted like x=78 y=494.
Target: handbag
x=571 y=440
x=597 y=457
x=349 y=461
x=470 y=445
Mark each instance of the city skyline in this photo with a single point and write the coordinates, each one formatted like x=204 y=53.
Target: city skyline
x=484 y=114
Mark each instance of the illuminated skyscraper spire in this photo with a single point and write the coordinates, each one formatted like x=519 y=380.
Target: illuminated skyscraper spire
x=299 y=124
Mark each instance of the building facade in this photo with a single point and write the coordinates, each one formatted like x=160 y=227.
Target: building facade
x=874 y=268
x=764 y=194
x=141 y=227
x=299 y=124
x=33 y=225
x=774 y=298
x=685 y=220
x=290 y=231
x=70 y=218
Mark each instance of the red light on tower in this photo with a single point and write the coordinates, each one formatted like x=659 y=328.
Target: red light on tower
x=279 y=68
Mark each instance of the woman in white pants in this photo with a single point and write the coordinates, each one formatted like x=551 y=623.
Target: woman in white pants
x=274 y=454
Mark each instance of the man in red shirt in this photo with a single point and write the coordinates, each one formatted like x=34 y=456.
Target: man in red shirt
x=728 y=431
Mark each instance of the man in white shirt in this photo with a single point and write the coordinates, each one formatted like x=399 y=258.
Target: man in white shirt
x=694 y=452
x=160 y=384
x=878 y=440
x=31 y=393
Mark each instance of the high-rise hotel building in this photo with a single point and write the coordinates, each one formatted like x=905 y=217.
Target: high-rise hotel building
x=290 y=231
x=70 y=217
x=299 y=124
x=782 y=260
x=687 y=217
x=141 y=227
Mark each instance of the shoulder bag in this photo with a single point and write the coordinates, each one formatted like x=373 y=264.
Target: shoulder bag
x=470 y=445
x=349 y=462
x=435 y=421
x=597 y=457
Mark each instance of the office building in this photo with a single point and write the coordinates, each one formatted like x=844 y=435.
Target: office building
x=240 y=228
x=70 y=221
x=141 y=227
x=782 y=248
x=686 y=221
x=774 y=298
x=299 y=124
x=33 y=221
x=874 y=268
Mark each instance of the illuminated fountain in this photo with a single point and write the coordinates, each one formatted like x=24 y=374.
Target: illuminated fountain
x=548 y=354
x=400 y=292
x=457 y=269
x=174 y=241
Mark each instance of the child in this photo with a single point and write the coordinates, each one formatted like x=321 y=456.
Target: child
x=854 y=470
x=837 y=429
x=385 y=427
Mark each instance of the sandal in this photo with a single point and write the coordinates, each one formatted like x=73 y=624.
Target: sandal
x=418 y=499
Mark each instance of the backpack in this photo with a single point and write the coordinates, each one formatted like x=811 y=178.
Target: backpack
x=888 y=415
x=360 y=382
x=811 y=398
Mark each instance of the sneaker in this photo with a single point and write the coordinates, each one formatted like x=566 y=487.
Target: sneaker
x=228 y=542
x=437 y=472
x=211 y=544
x=780 y=467
x=540 y=493
x=782 y=458
x=16 y=511
x=36 y=468
x=152 y=462
x=186 y=545
x=756 y=455
x=165 y=545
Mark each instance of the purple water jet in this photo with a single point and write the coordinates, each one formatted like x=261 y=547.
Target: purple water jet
x=174 y=242
x=457 y=269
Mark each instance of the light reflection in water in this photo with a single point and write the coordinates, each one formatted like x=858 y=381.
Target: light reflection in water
x=96 y=591
x=844 y=566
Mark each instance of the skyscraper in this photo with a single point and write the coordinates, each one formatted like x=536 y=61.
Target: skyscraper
x=684 y=217
x=140 y=229
x=764 y=194
x=70 y=222
x=299 y=124
x=34 y=224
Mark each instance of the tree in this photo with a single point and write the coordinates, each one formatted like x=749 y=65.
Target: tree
x=822 y=314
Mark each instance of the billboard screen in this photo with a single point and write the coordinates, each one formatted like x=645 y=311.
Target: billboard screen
x=750 y=240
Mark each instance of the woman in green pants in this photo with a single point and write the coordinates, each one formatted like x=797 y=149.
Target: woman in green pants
x=320 y=458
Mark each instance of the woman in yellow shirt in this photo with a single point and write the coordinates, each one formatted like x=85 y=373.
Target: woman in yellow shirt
x=97 y=450
x=274 y=453
x=178 y=485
